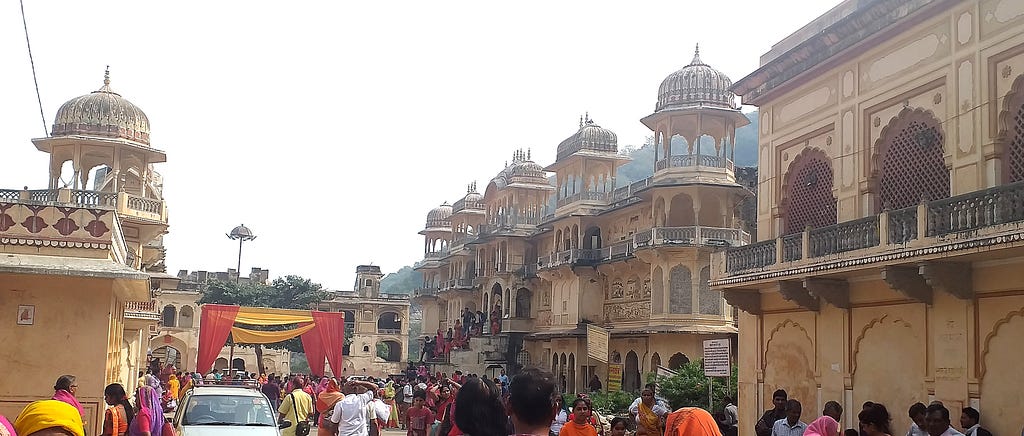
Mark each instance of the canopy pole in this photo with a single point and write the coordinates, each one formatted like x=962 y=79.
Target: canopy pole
x=231 y=361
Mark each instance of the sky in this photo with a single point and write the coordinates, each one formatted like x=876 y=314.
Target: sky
x=332 y=128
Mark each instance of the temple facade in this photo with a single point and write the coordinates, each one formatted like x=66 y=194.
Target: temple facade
x=547 y=251
x=889 y=253
x=376 y=325
x=78 y=259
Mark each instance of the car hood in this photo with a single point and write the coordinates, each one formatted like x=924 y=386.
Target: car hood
x=227 y=430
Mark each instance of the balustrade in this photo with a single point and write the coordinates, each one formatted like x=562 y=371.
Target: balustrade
x=989 y=207
x=694 y=160
x=845 y=236
x=902 y=225
x=756 y=255
x=142 y=204
x=43 y=195
x=10 y=194
x=793 y=247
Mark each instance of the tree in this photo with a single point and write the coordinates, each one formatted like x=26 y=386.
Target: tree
x=383 y=350
x=290 y=292
x=689 y=387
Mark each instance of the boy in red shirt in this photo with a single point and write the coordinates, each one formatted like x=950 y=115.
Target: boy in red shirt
x=419 y=419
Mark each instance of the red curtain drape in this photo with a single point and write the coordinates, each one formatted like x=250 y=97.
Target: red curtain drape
x=313 y=346
x=331 y=326
x=214 y=327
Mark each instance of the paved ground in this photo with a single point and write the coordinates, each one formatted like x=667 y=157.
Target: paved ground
x=394 y=432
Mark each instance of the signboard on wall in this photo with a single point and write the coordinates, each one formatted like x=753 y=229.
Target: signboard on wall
x=716 y=358
x=614 y=377
x=597 y=343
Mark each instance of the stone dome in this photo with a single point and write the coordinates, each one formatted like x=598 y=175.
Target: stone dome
x=591 y=137
x=524 y=170
x=102 y=113
x=440 y=217
x=696 y=84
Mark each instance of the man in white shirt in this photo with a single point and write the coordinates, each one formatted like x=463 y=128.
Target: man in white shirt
x=937 y=421
x=349 y=415
x=791 y=425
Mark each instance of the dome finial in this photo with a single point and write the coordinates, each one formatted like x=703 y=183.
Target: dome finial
x=528 y=154
x=106 y=76
x=581 y=121
x=696 y=56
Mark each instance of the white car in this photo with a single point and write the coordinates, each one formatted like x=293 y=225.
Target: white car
x=226 y=411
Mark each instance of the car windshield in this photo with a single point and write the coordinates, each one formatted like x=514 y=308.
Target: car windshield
x=228 y=410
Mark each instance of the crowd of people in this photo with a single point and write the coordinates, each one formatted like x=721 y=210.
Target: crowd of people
x=425 y=404
x=784 y=419
x=469 y=324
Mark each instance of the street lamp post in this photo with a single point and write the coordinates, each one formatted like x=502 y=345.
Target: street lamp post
x=240 y=234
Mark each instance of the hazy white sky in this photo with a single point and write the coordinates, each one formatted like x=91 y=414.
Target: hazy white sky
x=331 y=128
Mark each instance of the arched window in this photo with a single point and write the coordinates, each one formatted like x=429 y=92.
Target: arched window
x=170 y=316
x=807 y=192
x=186 y=317
x=523 y=297
x=1014 y=124
x=655 y=362
x=677 y=361
x=681 y=284
x=909 y=162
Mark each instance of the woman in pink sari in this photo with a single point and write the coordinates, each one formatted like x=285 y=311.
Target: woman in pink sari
x=439 y=345
x=458 y=335
x=824 y=426
x=149 y=418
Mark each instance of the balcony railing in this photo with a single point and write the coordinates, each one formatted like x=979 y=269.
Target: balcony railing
x=462 y=205
x=694 y=160
x=508 y=224
x=125 y=203
x=389 y=331
x=691 y=235
x=963 y=213
x=463 y=283
x=843 y=237
x=425 y=291
x=145 y=310
x=582 y=196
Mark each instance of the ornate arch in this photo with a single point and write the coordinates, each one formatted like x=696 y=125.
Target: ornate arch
x=771 y=336
x=864 y=331
x=1011 y=133
x=991 y=335
x=908 y=161
x=807 y=198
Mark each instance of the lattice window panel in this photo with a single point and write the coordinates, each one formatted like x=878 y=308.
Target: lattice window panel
x=1015 y=160
x=810 y=200
x=710 y=301
x=913 y=168
x=681 y=285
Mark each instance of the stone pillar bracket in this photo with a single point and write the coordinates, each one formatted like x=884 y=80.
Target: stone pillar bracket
x=907 y=281
x=746 y=300
x=794 y=291
x=954 y=278
x=833 y=291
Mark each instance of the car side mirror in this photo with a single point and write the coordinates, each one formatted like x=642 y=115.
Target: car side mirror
x=284 y=424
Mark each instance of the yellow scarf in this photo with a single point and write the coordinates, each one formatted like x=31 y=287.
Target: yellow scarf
x=649 y=420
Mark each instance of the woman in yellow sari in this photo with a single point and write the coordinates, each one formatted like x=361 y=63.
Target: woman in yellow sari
x=173 y=385
x=650 y=415
x=185 y=388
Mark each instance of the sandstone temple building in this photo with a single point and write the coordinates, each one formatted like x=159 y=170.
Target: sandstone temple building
x=77 y=259
x=889 y=257
x=550 y=255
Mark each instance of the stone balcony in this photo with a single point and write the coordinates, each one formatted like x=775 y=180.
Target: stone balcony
x=517 y=325
x=126 y=205
x=695 y=236
x=968 y=224
x=465 y=283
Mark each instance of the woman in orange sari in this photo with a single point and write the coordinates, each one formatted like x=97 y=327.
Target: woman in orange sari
x=117 y=418
x=579 y=426
x=691 y=421
x=324 y=403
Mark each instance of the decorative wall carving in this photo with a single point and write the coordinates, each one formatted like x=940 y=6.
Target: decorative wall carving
x=681 y=290
x=632 y=311
x=616 y=290
x=710 y=302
